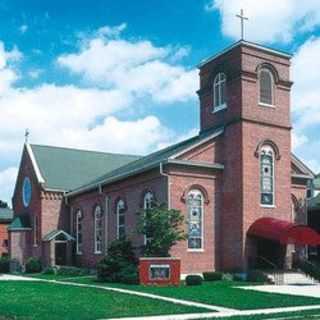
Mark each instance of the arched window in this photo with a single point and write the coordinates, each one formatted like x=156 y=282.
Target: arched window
x=266 y=87
x=79 y=232
x=219 y=92
x=267 y=176
x=195 y=219
x=121 y=220
x=35 y=231
x=148 y=200
x=98 y=230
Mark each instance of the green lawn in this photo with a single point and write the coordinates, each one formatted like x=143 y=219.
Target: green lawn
x=220 y=293
x=46 y=301
x=296 y=315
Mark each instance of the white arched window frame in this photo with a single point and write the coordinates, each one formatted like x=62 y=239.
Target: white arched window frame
x=121 y=219
x=219 y=92
x=148 y=201
x=79 y=239
x=35 y=231
x=98 y=230
x=195 y=205
x=267 y=176
x=266 y=88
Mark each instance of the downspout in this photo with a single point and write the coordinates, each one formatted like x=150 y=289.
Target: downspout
x=169 y=184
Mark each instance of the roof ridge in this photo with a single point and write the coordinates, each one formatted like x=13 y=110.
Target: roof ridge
x=84 y=150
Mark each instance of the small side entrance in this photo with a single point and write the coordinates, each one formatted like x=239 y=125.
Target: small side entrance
x=61 y=253
x=58 y=246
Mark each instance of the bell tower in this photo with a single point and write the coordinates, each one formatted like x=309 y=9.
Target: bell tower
x=246 y=90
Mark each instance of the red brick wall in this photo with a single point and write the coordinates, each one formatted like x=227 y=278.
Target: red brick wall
x=47 y=206
x=247 y=124
x=3 y=238
x=132 y=191
x=180 y=182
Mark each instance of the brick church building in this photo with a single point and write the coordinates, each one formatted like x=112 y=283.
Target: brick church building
x=240 y=188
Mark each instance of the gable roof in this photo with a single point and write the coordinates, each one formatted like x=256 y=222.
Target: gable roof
x=65 y=169
x=21 y=222
x=151 y=161
x=6 y=214
x=301 y=169
x=55 y=234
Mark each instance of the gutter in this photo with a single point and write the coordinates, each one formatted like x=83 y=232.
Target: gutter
x=169 y=184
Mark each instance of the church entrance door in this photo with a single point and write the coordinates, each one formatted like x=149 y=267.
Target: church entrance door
x=61 y=253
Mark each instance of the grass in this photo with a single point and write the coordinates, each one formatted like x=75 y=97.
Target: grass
x=296 y=315
x=220 y=293
x=47 y=301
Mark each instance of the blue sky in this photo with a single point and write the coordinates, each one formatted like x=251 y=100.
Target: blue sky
x=121 y=75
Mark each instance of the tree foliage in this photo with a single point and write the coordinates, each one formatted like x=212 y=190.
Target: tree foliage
x=162 y=227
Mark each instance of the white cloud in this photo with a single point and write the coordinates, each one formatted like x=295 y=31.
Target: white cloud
x=269 y=20
x=108 y=31
x=23 y=28
x=85 y=117
x=137 y=67
x=7 y=182
x=35 y=73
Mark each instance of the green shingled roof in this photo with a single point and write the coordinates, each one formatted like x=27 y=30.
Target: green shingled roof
x=20 y=222
x=152 y=159
x=66 y=169
x=6 y=214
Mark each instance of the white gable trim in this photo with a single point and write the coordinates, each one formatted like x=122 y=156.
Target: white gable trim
x=34 y=164
x=212 y=136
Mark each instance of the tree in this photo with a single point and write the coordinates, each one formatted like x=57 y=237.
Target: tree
x=162 y=228
x=3 y=204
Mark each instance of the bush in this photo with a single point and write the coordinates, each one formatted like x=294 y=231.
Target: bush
x=49 y=270
x=71 y=271
x=238 y=277
x=212 y=276
x=257 y=276
x=120 y=265
x=193 y=280
x=4 y=265
x=33 y=265
x=310 y=269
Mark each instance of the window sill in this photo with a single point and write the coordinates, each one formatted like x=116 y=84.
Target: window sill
x=267 y=206
x=98 y=253
x=267 y=105
x=219 y=108
x=79 y=253
x=195 y=250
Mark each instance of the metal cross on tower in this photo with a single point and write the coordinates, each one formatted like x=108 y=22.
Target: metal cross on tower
x=243 y=19
x=26 y=135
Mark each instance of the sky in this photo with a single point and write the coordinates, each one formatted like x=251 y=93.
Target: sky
x=121 y=76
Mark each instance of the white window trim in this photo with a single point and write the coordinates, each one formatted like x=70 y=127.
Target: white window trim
x=35 y=231
x=216 y=86
x=78 y=218
x=199 y=250
x=95 y=230
x=263 y=104
x=118 y=217
x=273 y=205
x=148 y=198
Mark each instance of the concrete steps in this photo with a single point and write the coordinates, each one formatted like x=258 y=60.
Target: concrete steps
x=290 y=278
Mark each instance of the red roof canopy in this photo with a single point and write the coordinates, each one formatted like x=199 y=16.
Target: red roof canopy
x=284 y=232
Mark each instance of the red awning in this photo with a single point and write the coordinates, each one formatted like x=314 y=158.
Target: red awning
x=284 y=232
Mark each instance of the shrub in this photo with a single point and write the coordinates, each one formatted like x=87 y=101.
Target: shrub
x=49 y=270
x=310 y=269
x=212 y=276
x=257 y=276
x=4 y=265
x=193 y=280
x=164 y=228
x=71 y=271
x=33 y=265
x=120 y=265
